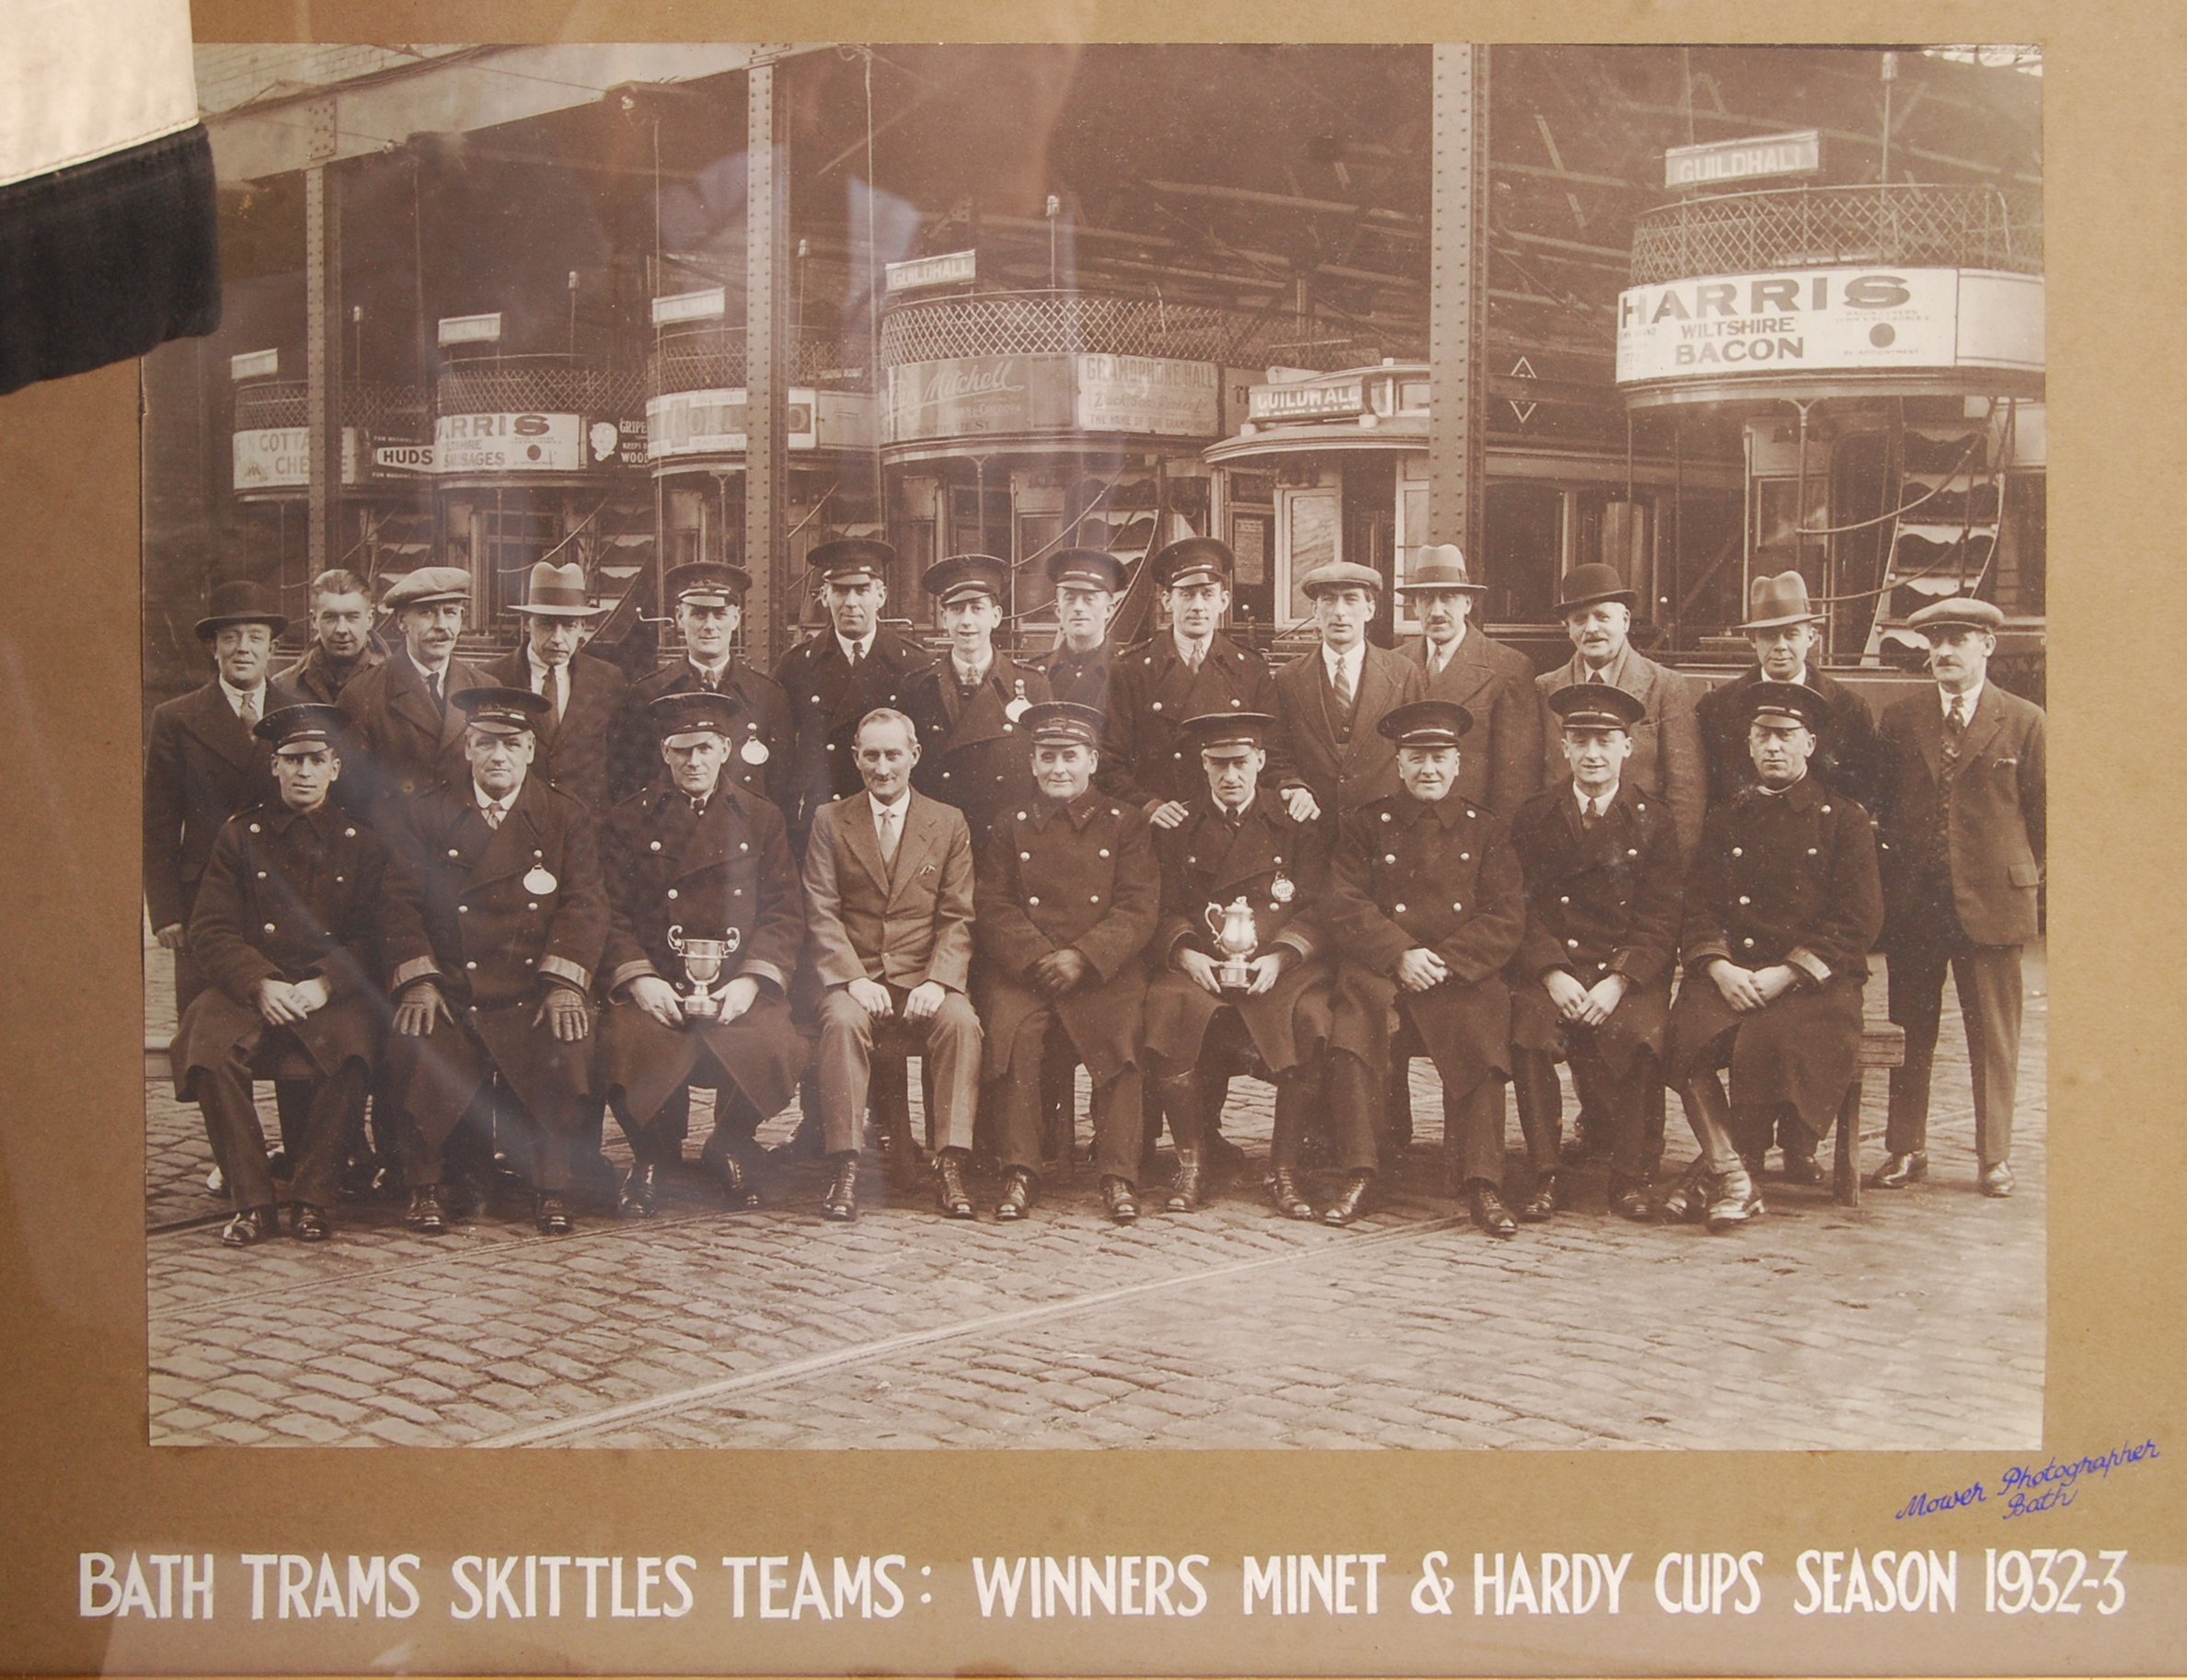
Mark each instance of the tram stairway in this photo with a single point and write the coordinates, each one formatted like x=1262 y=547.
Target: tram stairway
x=1944 y=540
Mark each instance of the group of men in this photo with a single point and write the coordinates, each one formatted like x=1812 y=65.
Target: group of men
x=506 y=900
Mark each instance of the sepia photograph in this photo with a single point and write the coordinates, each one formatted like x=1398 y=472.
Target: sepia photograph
x=1032 y=746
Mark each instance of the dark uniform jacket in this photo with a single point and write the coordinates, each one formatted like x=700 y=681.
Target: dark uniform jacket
x=1442 y=876
x=1144 y=759
x=973 y=757
x=1344 y=759
x=1849 y=754
x=1500 y=762
x=725 y=872
x=313 y=678
x=1082 y=876
x=291 y=896
x=201 y=765
x=403 y=743
x=1083 y=677
x=1666 y=743
x=1787 y=878
x=1598 y=902
x=1983 y=823
x=1280 y=868
x=494 y=915
x=572 y=751
x=826 y=700
x=759 y=755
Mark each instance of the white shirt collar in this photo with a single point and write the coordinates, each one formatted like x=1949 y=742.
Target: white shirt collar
x=487 y=802
x=967 y=675
x=1973 y=697
x=854 y=649
x=237 y=696
x=1601 y=802
x=539 y=666
x=1438 y=658
x=1189 y=650
x=1352 y=660
x=896 y=804
x=1608 y=673
x=716 y=674
x=427 y=677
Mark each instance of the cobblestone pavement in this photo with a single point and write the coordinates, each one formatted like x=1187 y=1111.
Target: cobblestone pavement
x=1916 y=1323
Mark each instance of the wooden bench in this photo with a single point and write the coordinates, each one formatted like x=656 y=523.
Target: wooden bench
x=1883 y=1044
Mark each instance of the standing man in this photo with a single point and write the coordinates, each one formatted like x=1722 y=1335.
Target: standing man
x=1782 y=905
x=709 y=600
x=968 y=703
x=1239 y=864
x=283 y=926
x=1785 y=628
x=1088 y=582
x=1067 y=897
x=835 y=676
x=1330 y=702
x=408 y=735
x=343 y=643
x=494 y=918
x=889 y=912
x=1962 y=845
x=583 y=695
x=1425 y=909
x=1503 y=761
x=204 y=763
x=1592 y=981
x=699 y=859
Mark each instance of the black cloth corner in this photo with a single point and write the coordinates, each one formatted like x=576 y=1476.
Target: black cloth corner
x=108 y=258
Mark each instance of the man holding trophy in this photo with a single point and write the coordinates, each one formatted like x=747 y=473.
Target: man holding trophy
x=1238 y=979
x=708 y=919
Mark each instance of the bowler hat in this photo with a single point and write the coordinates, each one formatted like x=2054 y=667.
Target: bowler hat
x=1439 y=566
x=558 y=591
x=1590 y=585
x=1777 y=602
x=241 y=602
x=1958 y=612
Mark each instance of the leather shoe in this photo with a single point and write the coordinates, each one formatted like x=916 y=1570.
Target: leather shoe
x=1734 y=1201
x=1629 y=1199
x=1184 y=1187
x=253 y=1225
x=1017 y=1196
x=1489 y=1212
x=551 y=1214
x=1900 y=1170
x=1219 y=1157
x=1290 y=1201
x=1348 y=1204
x=738 y=1184
x=1802 y=1168
x=841 y=1202
x=1579 y=1148
x=950 y=1191
x=1997 y=1179
x=308 y=1223
x=637 y=1199
x=1538 y=1208
x=1121 y=1199
x=426 y=1217
x=805 y=1144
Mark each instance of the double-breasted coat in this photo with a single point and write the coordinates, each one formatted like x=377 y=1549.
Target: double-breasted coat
x=493 y=916
x=1600 y=901
x=403 y=743
x=973 y=754
x=1080 y=876
x=759 y=750
x=1083 y=677
x=1781 y=878
x=1342 y=755
x=1146 y=759
x=725 y=872
x=293 y=897
x=1849 y=755
x=201 y=765
x=826 y=699
x=1667 y=759
x=1441 y=875
x=1280 y=867
x=572 y=751
x=1500 y=762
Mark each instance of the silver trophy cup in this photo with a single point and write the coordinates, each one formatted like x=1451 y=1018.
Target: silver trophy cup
x=1238 y=939
x=703 y=961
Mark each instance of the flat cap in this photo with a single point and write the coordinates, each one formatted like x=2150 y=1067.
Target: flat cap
x=1340 y=574
x=428 y=586
x=1958 y=612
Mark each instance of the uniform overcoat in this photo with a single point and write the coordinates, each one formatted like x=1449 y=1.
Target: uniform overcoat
x=1280 y=868
x=572 y=749
x=759 y=752
x=494 y=915
x=973 y=755
x=292 y=896
x=404 y=744
x=1784 y=877
x=1146 y=758
x=1081 y=876
x=1499 y=764
x=1441 y=875
x=1083 y=677
x=1849 y=755
x=1599 y=901
x=1666 y=758
x=826 y=700
x=724 y=871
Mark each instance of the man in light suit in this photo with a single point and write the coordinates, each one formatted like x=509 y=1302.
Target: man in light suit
x=1503 y=758
x=585 y=695
x=1961 y=847
x=1331 y=701
x=889 y=912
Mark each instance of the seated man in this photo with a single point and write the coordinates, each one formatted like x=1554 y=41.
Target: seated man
x=706 y=922
x=281 y=925
x=1239 y=867
x=1067 y=897
x=1782 y=907
x=491 y=926
x=888 y=896
x=1592 y=981
x=1425 y=910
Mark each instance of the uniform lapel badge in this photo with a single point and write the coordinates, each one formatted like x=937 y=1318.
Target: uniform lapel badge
x=1019 y=705
x=1281 y=889
x=539 y=879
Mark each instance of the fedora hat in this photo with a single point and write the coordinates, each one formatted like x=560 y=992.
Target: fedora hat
x=241 y=602
x=557 y=592
x=1586 y=585
x=1439 y=566
x=1777 y=602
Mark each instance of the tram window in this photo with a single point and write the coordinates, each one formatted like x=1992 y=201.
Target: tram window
x=1702 y=570
x=1524 y=535
x=2023 y=580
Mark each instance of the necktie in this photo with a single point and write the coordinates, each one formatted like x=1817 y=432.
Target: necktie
x=1955 y=730
x=550 y=685
x=248 y=710
x=887 y=814
x=432 y=686
x=856 y=657
x=1192 y=657
x=1340 y=680
x=492 y=813
x=1590 y=813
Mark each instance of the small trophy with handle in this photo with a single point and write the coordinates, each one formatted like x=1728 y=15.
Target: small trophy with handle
x=1238 y=939
x=703 y=961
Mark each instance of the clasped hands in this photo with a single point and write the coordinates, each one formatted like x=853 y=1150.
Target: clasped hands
x=1748 y=989
x=919 y=1003
x=1584 y=1006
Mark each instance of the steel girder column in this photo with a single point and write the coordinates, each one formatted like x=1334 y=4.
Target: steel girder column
x=322 y=343
x=1458 y=299
x=767 y=232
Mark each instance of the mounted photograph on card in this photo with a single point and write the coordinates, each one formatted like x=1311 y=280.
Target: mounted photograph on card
x=1219 y=746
